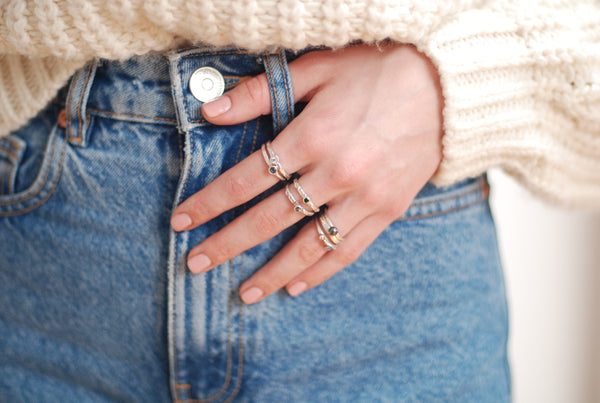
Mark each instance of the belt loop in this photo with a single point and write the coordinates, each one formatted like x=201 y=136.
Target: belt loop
x=77 y=119
x=280 y=87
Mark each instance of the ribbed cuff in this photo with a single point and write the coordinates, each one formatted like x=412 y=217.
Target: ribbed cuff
x=501 y=109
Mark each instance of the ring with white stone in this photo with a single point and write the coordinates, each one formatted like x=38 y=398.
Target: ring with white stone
x=298 y=208
x=305 y=199
x=273 y=163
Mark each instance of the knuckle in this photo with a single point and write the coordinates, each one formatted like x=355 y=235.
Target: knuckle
x=240 y=188
x=220 y=252
x=346 y=257
x=372 y=197
x=346 y=173
x=256 y=89
x=314 y=144
x=273 y=283
x=308 y=253
x=265 y=223
x=199 y=210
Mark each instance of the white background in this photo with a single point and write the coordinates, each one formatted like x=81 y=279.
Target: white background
x=551 y=259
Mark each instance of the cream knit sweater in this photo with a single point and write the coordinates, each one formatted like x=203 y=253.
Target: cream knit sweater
x=521 y=78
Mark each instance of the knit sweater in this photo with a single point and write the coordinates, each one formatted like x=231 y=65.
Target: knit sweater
x=520 y=78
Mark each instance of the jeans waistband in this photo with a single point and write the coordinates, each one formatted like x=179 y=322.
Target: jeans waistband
x=154 y=88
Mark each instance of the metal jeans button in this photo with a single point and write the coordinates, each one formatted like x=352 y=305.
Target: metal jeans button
x=207 y=84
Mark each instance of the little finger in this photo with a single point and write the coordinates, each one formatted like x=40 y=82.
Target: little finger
x=302 y=252
x=355 y=243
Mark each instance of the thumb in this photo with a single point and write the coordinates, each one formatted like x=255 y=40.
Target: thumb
x=251 y=98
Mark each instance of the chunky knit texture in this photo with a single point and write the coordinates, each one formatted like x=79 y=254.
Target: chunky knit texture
x=521 y=79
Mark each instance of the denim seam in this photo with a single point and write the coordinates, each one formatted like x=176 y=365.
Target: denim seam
x=273 y=90
x=480 y=188
x=475 y=187
x=446 y=211
x=286 y=86
x=128 y=116
x=229 y=311
x=41 y=186
x=79 y=137
x=68 y=103
x=229 y=320
x=183 y=192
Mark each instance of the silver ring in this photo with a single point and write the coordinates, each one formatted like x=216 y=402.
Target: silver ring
x=330 y=230
x=328 y=233
x=328 y=244
x=298 y=208
x=305 y=199
x=273 y=163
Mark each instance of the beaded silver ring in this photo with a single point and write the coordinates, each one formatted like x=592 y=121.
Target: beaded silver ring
x=273 y=163
x=298 y=208
x=328 y=233
x=305 y=199
x=321 y=233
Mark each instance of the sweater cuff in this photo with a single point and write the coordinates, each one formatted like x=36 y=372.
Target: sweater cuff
x=508 y=103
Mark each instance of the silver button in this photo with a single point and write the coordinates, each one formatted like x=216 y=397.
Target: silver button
x=207 y=84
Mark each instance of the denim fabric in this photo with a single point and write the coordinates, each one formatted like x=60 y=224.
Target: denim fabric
x=96 y=303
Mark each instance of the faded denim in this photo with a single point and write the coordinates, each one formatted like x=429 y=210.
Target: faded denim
x=96 y=303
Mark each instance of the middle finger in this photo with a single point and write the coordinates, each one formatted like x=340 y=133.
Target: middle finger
x=259 y=224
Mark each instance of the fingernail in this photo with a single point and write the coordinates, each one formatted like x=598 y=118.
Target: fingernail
x=252 y=295
x=297 y=288
x=180 y=222
x=199 y=263
x=217 y=107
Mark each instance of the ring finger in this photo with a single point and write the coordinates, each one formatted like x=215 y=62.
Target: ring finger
x=302 y=252
x=259 y=224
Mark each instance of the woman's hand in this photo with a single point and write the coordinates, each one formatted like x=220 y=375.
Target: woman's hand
x=368 y=140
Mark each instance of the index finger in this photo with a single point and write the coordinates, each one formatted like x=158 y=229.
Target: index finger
x=235 y=186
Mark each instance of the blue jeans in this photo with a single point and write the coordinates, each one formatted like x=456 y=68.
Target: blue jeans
x=96 y=303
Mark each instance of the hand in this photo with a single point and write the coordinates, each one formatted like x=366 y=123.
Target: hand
x=368 y=140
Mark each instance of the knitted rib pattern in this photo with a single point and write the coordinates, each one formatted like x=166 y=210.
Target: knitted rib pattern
x=521 y=79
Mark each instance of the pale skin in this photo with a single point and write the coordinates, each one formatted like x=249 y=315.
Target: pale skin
x=368 y=140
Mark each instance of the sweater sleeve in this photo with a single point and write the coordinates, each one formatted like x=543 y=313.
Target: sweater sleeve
x=521 y=85
x=521 y=79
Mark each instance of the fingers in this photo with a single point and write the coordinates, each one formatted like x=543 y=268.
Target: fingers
x=236 y=186
x=305 y=263
x=260 y=223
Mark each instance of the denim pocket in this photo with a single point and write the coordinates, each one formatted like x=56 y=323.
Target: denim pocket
x=31 y=161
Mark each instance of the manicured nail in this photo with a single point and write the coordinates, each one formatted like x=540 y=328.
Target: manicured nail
x=217 y=107
x=252 y=295
x=199 y=263
x=180 y=222
x=297 y=288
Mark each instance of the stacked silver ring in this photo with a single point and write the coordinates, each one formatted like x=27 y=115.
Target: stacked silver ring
x=305 y=199
x=299 y=207
x=273 y=163
x=328 y=233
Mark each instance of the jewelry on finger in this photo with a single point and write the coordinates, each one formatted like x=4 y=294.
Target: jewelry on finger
x=273 y=163
x=330 y=230
x=298 y=208
x=305 y=199
x=321 y=233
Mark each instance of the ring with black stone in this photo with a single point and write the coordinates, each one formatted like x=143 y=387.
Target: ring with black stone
x=297 y=206
x=273 y=163
x=305 y=199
